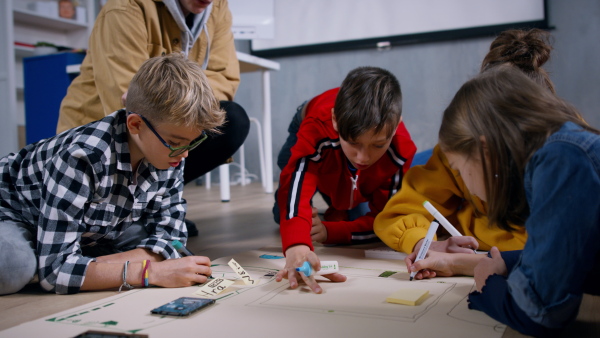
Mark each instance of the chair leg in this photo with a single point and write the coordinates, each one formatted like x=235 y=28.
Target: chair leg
x=261 y=152
x=242 y=165
x=224 y=182
x=224 y=168
x=207 y=180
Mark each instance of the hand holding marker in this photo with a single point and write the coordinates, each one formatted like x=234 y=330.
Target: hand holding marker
x=327 y=267
x=183 y=251
x=426 y=243
x=438 y=216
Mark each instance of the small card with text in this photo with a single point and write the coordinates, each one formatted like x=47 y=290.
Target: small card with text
x=213 y=287
x=241 y=272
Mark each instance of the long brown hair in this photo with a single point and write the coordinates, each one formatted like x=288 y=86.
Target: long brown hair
x=515 y=116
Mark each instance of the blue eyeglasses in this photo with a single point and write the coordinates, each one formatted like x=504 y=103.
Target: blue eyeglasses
x=175 y=151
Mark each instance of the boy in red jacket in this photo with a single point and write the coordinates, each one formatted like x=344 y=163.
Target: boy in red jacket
x=349 y=144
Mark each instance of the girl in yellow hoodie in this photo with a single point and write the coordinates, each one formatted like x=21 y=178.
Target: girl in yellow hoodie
x=403 y=223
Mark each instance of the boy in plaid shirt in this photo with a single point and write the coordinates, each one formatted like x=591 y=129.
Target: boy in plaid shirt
x=92 y=207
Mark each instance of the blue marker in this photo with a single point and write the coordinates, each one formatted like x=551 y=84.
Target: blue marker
x=327 y=267
x=183 y=251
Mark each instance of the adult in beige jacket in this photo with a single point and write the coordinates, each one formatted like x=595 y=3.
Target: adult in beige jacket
x=127 y=32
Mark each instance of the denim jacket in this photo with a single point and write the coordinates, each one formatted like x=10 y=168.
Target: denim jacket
x=561 y=258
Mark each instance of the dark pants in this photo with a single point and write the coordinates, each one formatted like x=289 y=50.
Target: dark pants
x=218 y=148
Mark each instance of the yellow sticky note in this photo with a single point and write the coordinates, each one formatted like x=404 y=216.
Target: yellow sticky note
x=408 y=296
x=241 y=272
x=213 y=287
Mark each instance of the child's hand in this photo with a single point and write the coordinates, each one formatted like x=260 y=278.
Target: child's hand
x=295 y=257
x=489 y=266
x=456 y=244
x=318 y=232
x=435 y=264
x=443 y=264
x=186 y=271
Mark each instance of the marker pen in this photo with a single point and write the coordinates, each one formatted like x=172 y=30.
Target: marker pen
x=326 y=268
x=426 y=243
x=183 y=251
x=435 y=213
x=445 y=223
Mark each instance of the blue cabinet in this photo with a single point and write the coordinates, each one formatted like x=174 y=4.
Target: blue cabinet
x=46 y=81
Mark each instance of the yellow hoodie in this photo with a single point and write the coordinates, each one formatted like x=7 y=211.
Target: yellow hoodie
x=404 y=221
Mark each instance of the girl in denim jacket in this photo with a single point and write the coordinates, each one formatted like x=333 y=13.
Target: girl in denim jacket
x=536 y=163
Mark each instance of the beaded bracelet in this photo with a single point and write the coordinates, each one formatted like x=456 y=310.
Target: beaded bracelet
x=125 y=284
x=145 y=267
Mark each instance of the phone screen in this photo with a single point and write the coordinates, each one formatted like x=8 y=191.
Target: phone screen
x=182 y=306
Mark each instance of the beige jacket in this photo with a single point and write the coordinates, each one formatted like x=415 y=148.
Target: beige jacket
x=128 y=32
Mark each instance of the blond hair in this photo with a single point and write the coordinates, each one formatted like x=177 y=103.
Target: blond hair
x=172 y=89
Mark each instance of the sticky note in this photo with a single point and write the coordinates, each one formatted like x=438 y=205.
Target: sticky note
x=241 y=272
x=214 y=287
x=408 y=296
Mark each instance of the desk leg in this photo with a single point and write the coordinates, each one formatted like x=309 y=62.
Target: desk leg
x=267 y=131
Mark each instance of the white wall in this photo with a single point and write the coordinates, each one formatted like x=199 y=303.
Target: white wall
x=430 y=74
x=8 y=110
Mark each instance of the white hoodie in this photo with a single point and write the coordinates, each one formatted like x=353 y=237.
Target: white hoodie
x=189 y=36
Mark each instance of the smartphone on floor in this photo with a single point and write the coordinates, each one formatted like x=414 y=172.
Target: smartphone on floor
x=183 y=306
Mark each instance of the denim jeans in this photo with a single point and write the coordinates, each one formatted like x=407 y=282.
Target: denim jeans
x=561 y=259
x=18 y=263
x=18 y=260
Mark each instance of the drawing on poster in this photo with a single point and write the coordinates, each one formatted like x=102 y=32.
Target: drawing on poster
x=362 y=296
x=365 y=304
x=106 y=315
x=335 y=301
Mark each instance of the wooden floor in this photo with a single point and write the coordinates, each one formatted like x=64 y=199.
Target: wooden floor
x=244 y=223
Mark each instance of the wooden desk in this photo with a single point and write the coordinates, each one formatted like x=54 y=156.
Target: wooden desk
x=249 y=63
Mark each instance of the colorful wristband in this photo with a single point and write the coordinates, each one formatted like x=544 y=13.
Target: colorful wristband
x=145 y=267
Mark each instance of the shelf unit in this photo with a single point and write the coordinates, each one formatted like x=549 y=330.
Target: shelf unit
x=19 y=24
x=30 y=18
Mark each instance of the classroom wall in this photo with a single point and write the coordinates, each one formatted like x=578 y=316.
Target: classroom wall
x=429 y=74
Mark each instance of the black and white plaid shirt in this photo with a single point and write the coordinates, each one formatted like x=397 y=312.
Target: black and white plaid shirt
x=77 y=189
